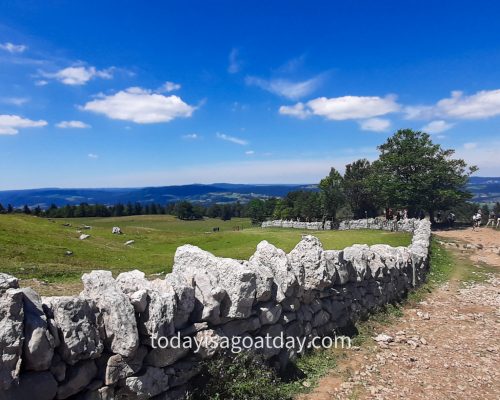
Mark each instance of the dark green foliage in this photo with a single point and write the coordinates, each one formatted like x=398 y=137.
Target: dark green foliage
x=485 y=211
x=359 y=194
x=256 y=211
x=186 y=211
x=412 y=172
x=332 y=196
x=243 y=376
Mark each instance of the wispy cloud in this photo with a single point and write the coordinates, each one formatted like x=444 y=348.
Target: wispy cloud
x=234 y=63
x=72 y=124
x=169 y=87
x=10 y=124
x=470 y=145
x=232 y=139
x=249 y=152
x=286 y=88
x=139 y=105
x=375 y=124
x=190 y=136
x=16 y=101
x=92 y=155
x=437 y=126
x=78 y=75
x=13 y=48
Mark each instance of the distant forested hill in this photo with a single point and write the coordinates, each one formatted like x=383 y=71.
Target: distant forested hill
x=485 y=190
x=206 y=194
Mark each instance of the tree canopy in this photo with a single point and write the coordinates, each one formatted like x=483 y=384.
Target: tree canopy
x=412 y=172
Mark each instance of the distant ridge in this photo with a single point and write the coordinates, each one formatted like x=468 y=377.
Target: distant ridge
x=202 y=193
x=485 y=190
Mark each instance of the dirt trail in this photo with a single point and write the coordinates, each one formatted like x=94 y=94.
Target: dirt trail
x=447 y=347
x=486 y=242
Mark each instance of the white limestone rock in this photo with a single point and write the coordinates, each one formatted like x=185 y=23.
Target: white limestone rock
x=77 y=325
x=11 y=336
x=39 y=344
x=224 y=287
x=269 y=258
x=117 y=312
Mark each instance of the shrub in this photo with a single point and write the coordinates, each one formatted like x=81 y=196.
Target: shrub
x=242 y=376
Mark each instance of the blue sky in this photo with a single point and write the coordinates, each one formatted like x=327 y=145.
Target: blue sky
x=128 y=93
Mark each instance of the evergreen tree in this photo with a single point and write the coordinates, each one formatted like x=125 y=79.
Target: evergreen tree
x=26 y=209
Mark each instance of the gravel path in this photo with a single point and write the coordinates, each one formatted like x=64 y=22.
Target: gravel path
x=448 y=347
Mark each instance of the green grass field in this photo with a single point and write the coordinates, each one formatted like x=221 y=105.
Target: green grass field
x=32 y=247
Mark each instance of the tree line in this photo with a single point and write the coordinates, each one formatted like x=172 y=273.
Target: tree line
x=183 y=210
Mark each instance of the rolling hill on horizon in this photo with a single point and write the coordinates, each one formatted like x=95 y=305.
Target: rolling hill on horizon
x=201 y=193
x=484 y=189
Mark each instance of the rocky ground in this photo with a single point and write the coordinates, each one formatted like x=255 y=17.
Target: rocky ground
x=445 y=347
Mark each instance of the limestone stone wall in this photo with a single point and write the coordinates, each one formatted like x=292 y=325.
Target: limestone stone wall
x=404 y=225
x=103 y=343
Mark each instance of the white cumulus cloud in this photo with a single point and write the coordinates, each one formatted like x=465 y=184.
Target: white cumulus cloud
x=72 y=124
x=284 y=87
x=13 y=48
x=141 y=106
x=353 y=107
x=375 y=124
x=483 y=104
x=437 y=126
x=232 y=139
x=344 y=108
x=298 y=110
x=10 y=124
x=78 y=75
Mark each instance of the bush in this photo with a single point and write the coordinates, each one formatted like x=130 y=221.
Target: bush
x=242 y=376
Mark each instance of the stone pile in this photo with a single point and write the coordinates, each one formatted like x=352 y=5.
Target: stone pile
x=105 y=343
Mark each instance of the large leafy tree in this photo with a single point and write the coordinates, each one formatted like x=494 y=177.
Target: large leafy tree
x=331 y=194
x=414 y=172
x=359 y=194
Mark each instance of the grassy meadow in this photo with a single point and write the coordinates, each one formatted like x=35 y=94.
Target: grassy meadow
x=32 y=247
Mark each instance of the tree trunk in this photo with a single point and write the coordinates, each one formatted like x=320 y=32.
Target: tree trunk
x=431 y=216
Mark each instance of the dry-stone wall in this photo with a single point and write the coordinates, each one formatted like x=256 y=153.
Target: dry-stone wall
x=404 y=225
x=104 y=343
